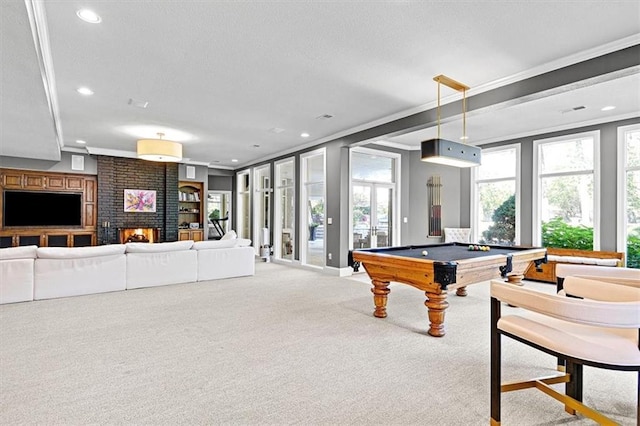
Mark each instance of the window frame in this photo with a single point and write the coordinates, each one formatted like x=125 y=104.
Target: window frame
x=475 y=196
x=536 y=214
x=621 y=185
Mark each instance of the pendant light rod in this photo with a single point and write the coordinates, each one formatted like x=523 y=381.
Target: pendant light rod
x=459 y=87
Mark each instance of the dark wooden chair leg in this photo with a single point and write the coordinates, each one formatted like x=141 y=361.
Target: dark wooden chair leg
x=573 y=388
x=495 y=363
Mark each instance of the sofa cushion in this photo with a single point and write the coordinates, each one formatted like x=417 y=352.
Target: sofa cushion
x=230 y=235
x=243 y=242
x=158 y=247
x=79 y=252
x=582 y=260
x=16 y=280
x=63 y=277
x=214 y=244
x=26 y=252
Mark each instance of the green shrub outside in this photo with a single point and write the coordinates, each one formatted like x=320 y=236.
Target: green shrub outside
x=633 y=251
x=556 y=233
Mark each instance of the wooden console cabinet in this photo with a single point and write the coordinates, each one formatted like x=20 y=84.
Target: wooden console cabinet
x=27 y=180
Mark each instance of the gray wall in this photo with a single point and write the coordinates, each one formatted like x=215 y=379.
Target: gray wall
x=418 y=213
x=62 y=166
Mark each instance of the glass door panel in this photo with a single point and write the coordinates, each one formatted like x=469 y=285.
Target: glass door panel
x=383 y=217
x=372 y=219
x=361 y=216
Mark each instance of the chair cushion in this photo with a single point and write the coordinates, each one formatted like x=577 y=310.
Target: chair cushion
x=601 y=290
x=582 y=260
x=568 y=269
x=619 y=348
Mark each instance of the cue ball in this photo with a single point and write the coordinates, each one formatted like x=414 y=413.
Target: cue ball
x=424 y=252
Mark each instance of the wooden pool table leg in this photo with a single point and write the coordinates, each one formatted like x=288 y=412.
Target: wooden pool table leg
x=380 y=291
x=461 y=291
x=436 y=303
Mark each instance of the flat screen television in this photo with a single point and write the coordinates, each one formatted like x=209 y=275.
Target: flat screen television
x=39 y=208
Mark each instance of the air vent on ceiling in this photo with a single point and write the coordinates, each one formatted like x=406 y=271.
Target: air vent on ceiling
x=138 y=103
x=324 y=117
x=578 y=108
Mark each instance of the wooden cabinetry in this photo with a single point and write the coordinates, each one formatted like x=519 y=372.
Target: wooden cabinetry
x=190 y=211
x=73 y=236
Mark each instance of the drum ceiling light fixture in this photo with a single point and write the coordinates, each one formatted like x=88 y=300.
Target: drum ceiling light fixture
x=443 y=151
x=159 y=150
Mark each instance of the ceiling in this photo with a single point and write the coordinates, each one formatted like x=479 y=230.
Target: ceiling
x=242 y=80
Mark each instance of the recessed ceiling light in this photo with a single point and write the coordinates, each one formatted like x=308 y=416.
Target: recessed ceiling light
x=84 y=91
x=81 y=142
x=234 y=160
x=608 y=108
x=304 y=135
x=89 y=16
x=464 y=138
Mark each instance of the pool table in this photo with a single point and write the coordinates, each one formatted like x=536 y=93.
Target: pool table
x=445 y=267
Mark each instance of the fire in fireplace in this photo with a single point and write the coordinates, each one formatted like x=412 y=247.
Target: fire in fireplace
x=139 y=235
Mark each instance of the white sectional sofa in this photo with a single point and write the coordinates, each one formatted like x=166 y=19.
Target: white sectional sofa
x=16 y=274
x=217 y=260
x=32 y=273
x=150 y=265
x=62 y=271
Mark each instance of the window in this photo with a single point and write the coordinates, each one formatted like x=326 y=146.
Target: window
x=262 y=207
x=496 y=197
x=374 y=204
x=284 y=233
x=312 y=208
x=566 y=191
x=244 y=204
x=629 y=193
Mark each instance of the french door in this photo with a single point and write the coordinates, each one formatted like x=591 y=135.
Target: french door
x=372 y=218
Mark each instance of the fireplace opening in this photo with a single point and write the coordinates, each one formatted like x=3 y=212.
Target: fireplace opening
x=139 y=235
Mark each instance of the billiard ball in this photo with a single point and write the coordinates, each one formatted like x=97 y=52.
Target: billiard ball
x=424 y=252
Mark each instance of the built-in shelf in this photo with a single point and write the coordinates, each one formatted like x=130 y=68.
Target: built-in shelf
x=190 y=208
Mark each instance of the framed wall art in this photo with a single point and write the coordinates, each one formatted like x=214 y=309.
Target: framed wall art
x=139 y=200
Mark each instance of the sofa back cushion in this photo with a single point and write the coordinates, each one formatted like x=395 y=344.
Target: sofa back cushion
x=79 y=252
x=214 y=244
x=26 y=252
x=158 y=247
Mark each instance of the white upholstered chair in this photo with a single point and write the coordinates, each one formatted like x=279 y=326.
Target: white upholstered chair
x=457 y=235
x=587 y=329
x=625 y=276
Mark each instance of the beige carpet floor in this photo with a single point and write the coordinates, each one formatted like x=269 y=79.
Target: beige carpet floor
x=287 y=346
